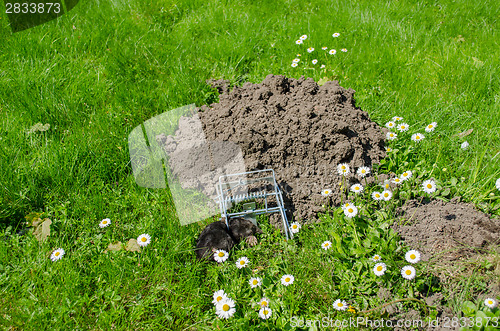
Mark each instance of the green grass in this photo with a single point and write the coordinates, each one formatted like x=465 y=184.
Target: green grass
x=125 y=62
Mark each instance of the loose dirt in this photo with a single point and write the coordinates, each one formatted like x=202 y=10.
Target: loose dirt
x=447 y=230
x=299 y=129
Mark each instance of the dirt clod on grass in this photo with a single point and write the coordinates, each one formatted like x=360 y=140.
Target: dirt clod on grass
x=299 y=129
x=451 y=230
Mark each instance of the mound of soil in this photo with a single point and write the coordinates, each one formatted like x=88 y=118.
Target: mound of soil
x=451 y=229
x=299 y=129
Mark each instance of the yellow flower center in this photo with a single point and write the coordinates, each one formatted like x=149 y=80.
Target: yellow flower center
x=263 y=303
x=363 y=171
x=343 y=167
x=265 y=312
x=340 y=304
x=255 y=282
x=408 y=272
x=287 y=279
x=225 y=307
x=389 y=149
x=379 y=268
x=294 y=226
x=219 y=298
x=221 y=254
x=104 y=222
x=413 y=257
x=242 y=262
x=417 y=137
x=57 y=253
x=326 y=192
x=377 y=195
x=490 y=302
x=350 y=210
x=386 y=195
x=430 y=126
x=144 y=239
x=402 y=127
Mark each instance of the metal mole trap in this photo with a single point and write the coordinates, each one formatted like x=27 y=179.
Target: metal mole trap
x=251 y=187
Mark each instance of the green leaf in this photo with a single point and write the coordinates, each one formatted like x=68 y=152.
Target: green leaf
x=468 y=308
x=454 y=181
x=446 y=192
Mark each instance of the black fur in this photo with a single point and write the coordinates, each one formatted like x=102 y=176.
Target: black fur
x=216 y=236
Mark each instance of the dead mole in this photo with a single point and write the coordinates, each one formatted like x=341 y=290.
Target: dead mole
x=217 y=236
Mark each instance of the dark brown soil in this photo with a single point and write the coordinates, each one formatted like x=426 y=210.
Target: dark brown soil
x=452 y=230
x=299 y=129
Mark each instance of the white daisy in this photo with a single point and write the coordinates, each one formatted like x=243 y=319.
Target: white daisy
x=242 y=262
x=332 y=52
x=255 y=282
x=403 y=127
x=294 y=65
x=335 y=35
x=264 y=302
x=265 y=313
x=391 y=135
x=357 y=188
x=376 y=258
x=340 y=304
x=322 y=66
x=295 y=227
x=326 y=192
x=397 y=118
x=386 y=185
x=408 y=272
x=464 y=145
x=351 y=211
x=57 y=254
x=497 y=184
x=324 y=48
x=143 y=240
x=377 y=196
x=303 y=37
x=406 y=175
x=218 y=296
x=225 y=308
x=343 y=169
x=491 y=303
x=104 y=223
x=344 y=50
x=431 y=127
x=412 y=256
x=363 y=171
x=417 y=137
x=296 y=60
x=386 y=195
x=346 y=205
x=379 y=269
x=388 y=149
x=390 y=125
x=220 y=255
x=326 y=245
x=314 y=61
x=397 y=181
x=429 y=186
x=298 y=42
x=287 y=280
x=310 y=50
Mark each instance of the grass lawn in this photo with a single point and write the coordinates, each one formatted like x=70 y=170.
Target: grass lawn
x=105 y=67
